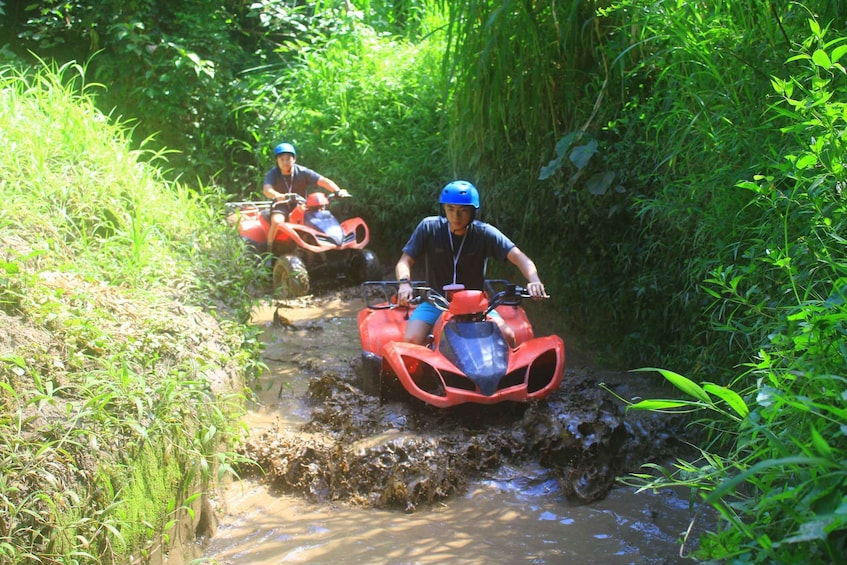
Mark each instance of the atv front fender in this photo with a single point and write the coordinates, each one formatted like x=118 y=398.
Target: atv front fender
x=535 y=369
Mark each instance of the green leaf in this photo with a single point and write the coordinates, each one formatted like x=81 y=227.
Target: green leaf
x=731 y=485
x=554 y=165
x=659 y=404
x=732 y=398
x=583 y=153
x=838 y=52
x=550 y=169
x=599 y=183
x=564 y=144
x=806 y=161
x=14 y=359
x=809 y=531
x=821 y=59
x=682 y=383
x=820 y=443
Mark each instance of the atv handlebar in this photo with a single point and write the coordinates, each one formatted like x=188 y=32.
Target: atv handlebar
x=512 y=295
x=379 y=295
x=263 y=204
x=290 y=198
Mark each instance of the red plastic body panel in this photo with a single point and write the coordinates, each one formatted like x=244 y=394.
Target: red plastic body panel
x=397 y=354
x=535 y=366
x=254 y=225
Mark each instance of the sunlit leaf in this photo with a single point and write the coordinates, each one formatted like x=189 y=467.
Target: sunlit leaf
x=821 y=59
x=838 y=52
x=806 y=161
x=658 y=404
x=732 y=398
x=682 y=383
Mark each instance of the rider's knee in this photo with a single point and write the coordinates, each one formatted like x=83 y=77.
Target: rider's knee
x=417 y=332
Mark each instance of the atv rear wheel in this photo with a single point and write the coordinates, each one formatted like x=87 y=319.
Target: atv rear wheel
x=364 y=266
x=291 y=279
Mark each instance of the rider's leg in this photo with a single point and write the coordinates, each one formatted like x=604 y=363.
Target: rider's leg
x=505 y=329
x=417 y=332
x=277 y=218
x=420 y=323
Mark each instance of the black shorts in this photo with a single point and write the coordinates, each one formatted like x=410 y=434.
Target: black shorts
x=281 y=207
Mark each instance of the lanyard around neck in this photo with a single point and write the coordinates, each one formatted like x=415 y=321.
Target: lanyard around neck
x=455 y=254
x=290 y=184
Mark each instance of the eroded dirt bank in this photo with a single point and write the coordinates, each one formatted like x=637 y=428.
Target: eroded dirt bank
x=351 y=447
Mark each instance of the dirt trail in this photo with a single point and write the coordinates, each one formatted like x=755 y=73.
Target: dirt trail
x=344 y=445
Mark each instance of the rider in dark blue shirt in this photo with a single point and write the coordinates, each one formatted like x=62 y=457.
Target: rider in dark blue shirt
x=289 y=178
x=455 y=247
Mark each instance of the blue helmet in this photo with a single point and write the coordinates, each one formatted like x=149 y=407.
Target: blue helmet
x=284 y=148
x=460 y=192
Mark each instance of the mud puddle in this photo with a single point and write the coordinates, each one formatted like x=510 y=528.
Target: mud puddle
x=344 y=478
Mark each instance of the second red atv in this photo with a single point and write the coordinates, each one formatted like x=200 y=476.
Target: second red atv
x=311 y=244
x=468 y=359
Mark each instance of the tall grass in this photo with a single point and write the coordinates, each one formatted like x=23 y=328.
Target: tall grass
x=693 y=82
x=364 y=109
x=113 y=401
x=776 y=473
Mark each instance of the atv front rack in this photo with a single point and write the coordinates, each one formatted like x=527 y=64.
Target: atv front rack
x=261 y=204
x=381 y=295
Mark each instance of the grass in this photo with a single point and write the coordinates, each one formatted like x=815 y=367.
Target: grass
x=122 y=360
x=775 y=468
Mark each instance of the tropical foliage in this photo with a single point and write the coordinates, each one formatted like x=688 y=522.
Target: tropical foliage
x=113 y=410
x=775 y=470
x=675 y=168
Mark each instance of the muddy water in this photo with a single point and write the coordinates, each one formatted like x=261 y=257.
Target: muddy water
x=517 y=508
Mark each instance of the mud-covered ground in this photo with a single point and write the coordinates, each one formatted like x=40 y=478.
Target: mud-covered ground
x=403 y=454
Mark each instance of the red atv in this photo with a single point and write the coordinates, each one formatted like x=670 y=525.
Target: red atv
x=311 y=244
x=468 y=359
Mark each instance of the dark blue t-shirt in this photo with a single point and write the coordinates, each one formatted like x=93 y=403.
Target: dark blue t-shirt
x=432 y=240
x=297 y=181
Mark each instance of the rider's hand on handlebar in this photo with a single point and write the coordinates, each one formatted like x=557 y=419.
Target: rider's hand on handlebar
x=342 y=193
x=536 y=290
x=404 y=294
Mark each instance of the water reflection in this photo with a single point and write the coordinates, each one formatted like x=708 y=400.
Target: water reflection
x=497 y=521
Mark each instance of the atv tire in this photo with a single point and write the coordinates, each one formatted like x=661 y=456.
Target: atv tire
x=291 y=279
x=370 y=380
x=364 y=266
